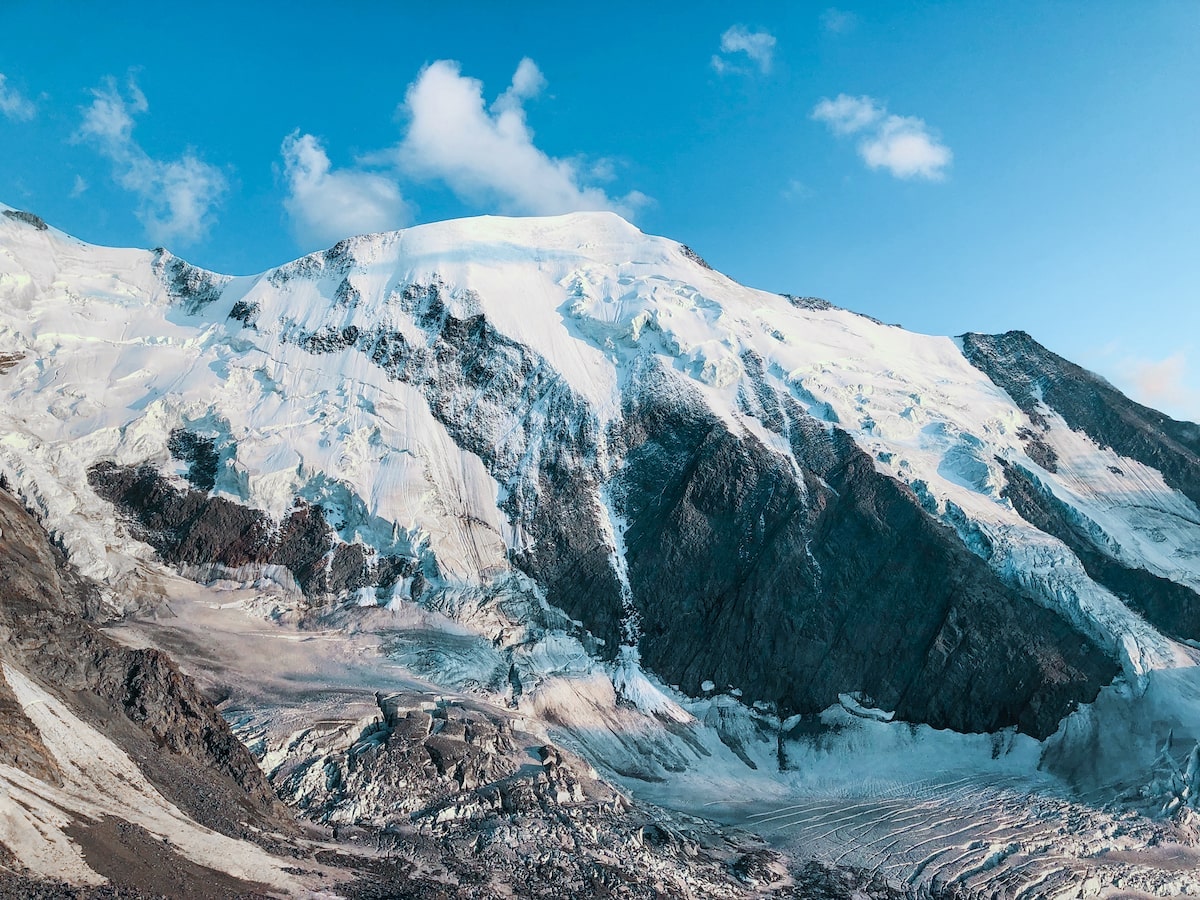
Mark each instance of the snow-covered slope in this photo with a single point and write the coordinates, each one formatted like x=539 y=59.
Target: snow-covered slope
x=613 y=470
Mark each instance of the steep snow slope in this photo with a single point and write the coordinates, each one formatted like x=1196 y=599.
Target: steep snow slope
x=622 y=471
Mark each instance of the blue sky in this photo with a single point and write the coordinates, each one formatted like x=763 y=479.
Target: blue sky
x=948 y=166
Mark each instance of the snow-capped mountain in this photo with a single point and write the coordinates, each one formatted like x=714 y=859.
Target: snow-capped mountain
x=711 y=539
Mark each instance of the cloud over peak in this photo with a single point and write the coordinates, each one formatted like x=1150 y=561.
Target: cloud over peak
x=327 y=204
x=487 y=154
x=176 y=198
x=903 y=145
x=759 y=46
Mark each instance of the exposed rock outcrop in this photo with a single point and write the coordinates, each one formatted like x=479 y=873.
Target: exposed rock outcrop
x=1037 y=378
x=47 y=621
x=189 y=527
x=28 y=218
x=21 y=743
x=191 y=287
x=796 y=589
x=1169 y=606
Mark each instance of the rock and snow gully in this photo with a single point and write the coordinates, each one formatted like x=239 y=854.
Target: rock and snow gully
x=532 y=555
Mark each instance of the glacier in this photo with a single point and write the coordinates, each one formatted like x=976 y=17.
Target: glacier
x=469 y=397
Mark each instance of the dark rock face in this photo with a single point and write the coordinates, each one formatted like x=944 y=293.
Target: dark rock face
x=694 y=257
x=1168 y=606
x=8 y=360
x=1039 y=449
x=199 y=453
x=192 y=287
x=796 y=591
x=814 y=303
x=21 y=743
x=189 y=527
x=334 y=262
x=1026 y=371
x=820 y=304
x=303 y=546
x=28 y=218
x=477 y=383
x=330 y=340
x=184 y=526
x=246 y=313
x=44 y=619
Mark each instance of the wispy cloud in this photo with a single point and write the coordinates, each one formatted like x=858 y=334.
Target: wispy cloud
x=176 y=198
x=759 y=46
x=796 y=190
x=903 y=145
x=1164 y=384
x=13 y=104
x=79 y=186
x=838 y=21
x=487 y=155
x=326 y=204
x=846 y=115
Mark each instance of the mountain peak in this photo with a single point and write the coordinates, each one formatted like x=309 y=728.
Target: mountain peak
x=564 y=467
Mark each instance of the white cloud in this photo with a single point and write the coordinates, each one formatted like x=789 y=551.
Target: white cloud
x=846 y=115
x=177 y=198
x=487 y=155
x=78 y=188
x=527 y=83
x=904 y=145
x=758 y=45
x=326 y=205
x=13 y=104
x=838 y=21
x=109 y=119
